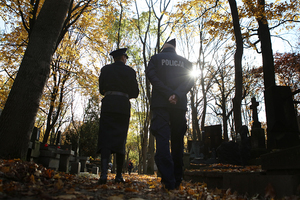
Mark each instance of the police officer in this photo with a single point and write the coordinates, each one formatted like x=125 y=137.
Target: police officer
x=170 y=77
x=118 y=84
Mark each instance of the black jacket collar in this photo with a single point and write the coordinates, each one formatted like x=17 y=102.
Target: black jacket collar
x=169 y=49
x=119 y=62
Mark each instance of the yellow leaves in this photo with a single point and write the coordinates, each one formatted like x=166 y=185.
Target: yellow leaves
x=5 y=169
x=64 y=186
x=32 y=179
x=152 y=186
x=57 y=176
x=49 y=173
x=277 y=10
x=59 y=184
x=191 y=191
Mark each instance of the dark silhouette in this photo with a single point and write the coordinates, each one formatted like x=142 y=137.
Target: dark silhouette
x=170 y=77
x=118 y=84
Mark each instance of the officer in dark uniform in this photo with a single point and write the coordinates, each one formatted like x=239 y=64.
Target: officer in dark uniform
x=170 y=77
x=118 y=84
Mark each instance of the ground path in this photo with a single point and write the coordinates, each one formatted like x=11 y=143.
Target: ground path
x=30 y=181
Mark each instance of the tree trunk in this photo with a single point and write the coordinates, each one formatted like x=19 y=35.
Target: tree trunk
x=266 y=48
x=195 y=123
x=224 y=117
x=204 y=102
x=237 y=101
x=202 y=83
x=144 y=148
x=18 y=117
x=150 y=166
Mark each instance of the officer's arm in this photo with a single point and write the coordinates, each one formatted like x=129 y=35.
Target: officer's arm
x=134 y=89
x=151 y=74
x=101 y=82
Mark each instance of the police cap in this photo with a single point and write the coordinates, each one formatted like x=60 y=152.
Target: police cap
x=119 y=52
x=172 y=42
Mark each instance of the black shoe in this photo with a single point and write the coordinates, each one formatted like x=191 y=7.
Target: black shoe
x=103 y=177
x=119 y=180
x=102 y=181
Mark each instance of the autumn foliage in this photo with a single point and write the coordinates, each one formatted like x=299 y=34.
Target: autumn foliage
x=28 y=180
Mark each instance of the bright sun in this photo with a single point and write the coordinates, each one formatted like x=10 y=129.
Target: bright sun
x=195 y=73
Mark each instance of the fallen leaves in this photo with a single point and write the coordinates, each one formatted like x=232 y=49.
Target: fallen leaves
x=28 y=180
x=226 y=168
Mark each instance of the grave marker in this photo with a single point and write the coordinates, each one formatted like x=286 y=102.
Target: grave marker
x=257 y=133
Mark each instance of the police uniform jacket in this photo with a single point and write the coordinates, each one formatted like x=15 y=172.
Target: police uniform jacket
x=120 y=78
x=169 y=74
x=115 y=108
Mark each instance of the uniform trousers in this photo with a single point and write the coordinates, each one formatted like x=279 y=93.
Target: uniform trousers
x=113 y=130
x=169 y=124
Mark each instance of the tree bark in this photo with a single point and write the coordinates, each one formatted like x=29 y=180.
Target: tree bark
x=18 y=117
x=224 y=112
x=202 y=83
x=266 y=47
x=144 y=147
x=150 y=157
x=195 y=122
x=237 y=101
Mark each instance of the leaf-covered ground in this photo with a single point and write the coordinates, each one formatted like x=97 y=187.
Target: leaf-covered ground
x=30 y=181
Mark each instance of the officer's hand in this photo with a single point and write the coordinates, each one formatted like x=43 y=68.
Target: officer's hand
x=173 y=99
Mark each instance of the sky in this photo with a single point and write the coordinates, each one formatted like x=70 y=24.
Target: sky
x=278 y=44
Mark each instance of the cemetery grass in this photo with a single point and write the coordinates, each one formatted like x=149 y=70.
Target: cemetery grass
x=31 y=181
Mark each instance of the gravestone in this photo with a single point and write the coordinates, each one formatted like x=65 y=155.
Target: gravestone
x=49 y=156
x=34 y=145
x=212 y=139
x=83 y=160
x=282 y=139
x=244 y=145
x=257 y=133
x=66 y=153
x=283 y=161
x=228 y=153
x=282 y=131
x=75 y=167
x=194 y=150
x=236 y=153
x=95 y=170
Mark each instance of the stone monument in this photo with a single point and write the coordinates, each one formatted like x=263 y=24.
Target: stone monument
x=257 y=133
x=282 y=128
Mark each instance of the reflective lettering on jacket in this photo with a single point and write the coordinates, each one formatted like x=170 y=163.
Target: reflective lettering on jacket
x=177 y=63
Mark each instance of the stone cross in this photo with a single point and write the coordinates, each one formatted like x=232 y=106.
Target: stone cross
x=256 y=123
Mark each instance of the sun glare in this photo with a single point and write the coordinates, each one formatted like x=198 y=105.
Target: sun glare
x=195 y=73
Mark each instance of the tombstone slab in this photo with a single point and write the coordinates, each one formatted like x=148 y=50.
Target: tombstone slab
x=95 y=170
x=212 y=139
x=282 y=161
x=282 y=125
x=257 y=133
x=83 y=160
x=64 y=161
x=75 y=167
x=49 y=157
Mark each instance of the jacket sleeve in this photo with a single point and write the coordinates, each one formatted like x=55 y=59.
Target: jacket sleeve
x=151 y=73
x=101 y=82
x=134 y=92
